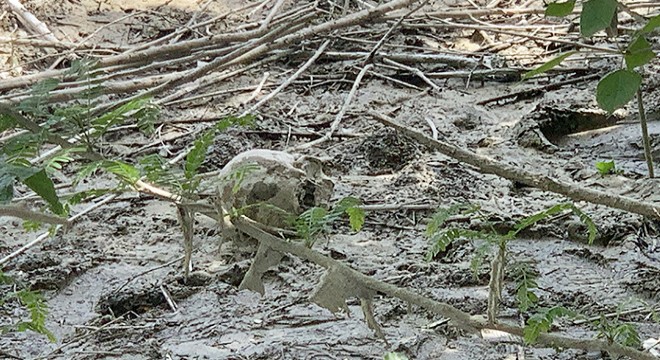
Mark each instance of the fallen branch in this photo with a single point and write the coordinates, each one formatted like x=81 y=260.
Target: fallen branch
x=33 y=24
x=340 y=114
x=25 y=214
x=459 y=318
x=288 y=82
x=43 y=237
x=489 y=166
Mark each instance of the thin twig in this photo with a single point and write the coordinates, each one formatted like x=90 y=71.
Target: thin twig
x=434 y=130
x=271 y=15
x=340 y=114
x=379 y=44
x=41 y=238
x=35 y=25
x=169 y=263
x=415 y=71
x=168 y=298
x=645 y=134
x=293 y=77
x=25 y=214
x=537 y=91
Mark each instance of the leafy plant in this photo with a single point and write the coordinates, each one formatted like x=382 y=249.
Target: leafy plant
x=524 y=276
x=48 y=124
x=541 y=322
x=607 y=167
x=197 y=154
x=34 y=178
x=33 y=303
x=620 y=86
x=441 y=237
x=395 y=356
x=238 y=175
x=615 y=331
x=316 y=220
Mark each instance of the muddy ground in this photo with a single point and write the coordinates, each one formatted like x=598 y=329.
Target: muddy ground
x=104 y=279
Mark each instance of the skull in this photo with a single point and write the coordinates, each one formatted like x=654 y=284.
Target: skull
x=271 y=187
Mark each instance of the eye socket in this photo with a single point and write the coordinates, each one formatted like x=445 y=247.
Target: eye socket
x=262 y=191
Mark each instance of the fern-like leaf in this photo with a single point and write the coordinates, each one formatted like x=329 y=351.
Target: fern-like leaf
x=591 y=225
x=541 y=322
x=311 y=223
x=533 y=219
x=117 y=116
x=128 y=173
x=356 y=217
x=525 y=279
x=441 y=215
x=440 y=240
x=38 y=310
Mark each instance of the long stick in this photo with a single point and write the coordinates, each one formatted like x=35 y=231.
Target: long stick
x=490 y=166
x=458 y=317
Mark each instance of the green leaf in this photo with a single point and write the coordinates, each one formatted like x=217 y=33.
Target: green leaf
x=8 y=175
x=547 y=66
x=41 y=184
x=45 y=86
x=606 y=167
x=638 y=53
x=442 y=214
x=441 y=239
x=311 y=223
x=542 y=321
x=7 y=122
x=36 y=104
x=525 y=277
x=536 y=325
x=591 y=225
x=627 y=335
x=395 y=356
x=653 y=23
x=239 y=174
x=596 y=15
x=81 y=196
x=197 y=154
x=86 y=171
x=126 y=172
x=31 y=226
x=5 y=279
x=617 y=88
x=560 y=9
x=356 y=218
x=81 y=68
x=38 y=309
x=34 y=178
x=533 y=219
x=117 y=116
x=146 y=118
x=225 y=123
x=6 y=189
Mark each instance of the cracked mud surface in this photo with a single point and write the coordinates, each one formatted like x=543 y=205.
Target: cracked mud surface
x=104 y=279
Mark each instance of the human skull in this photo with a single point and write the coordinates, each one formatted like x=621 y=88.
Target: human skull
x=271 y=187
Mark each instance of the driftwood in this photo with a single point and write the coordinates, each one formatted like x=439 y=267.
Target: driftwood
x=35 y=25
x=368 y=285
x=487 y=165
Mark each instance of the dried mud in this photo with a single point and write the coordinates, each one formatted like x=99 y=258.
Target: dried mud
x=105 y=278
